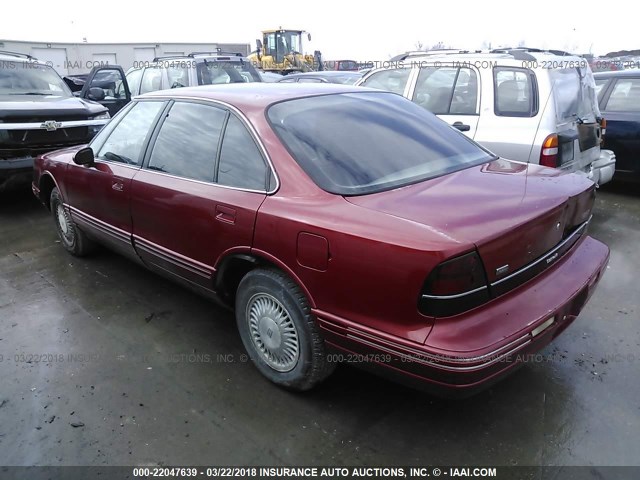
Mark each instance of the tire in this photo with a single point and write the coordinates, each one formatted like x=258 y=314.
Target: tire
x=71 y=237
x=278 y=331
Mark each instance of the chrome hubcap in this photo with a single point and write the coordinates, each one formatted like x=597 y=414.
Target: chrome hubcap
x=273 y=332
x=62 y=221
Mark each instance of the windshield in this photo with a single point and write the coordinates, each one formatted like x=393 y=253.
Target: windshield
x=215 y=72
x=574 y=92
x=358 y=143
x=30 y=78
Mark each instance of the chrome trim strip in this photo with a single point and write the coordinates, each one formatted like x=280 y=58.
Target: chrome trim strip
x=457 y=295
x=550 y=253
x=444 y=366
x=106 y=228
x=395 y=347
x=41 y=125
x=201 y=269
x=242 y=118
x=202 y=182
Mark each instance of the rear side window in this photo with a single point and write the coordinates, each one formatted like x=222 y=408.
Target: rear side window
x=447 y=90
x=133 y=79
x=393 y=80
x=124 y=144
x=178 y=75
x=625 y=96
x=600 y=87
x=188 y=141
x=241 y=164
x=515 y=92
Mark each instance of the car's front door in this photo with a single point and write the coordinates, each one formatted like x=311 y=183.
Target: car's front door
x=198 y=193
x=113 y=83
x=99 y=194
x=621 y=109
x=452 y=93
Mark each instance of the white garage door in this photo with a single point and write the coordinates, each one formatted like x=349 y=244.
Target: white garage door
x=55 y=57
x=104 y=59
x=143 y=54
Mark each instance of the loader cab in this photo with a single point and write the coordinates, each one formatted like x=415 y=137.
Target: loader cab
x=278 y=43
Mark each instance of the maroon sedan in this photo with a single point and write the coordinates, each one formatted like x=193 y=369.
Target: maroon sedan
x=341 y=223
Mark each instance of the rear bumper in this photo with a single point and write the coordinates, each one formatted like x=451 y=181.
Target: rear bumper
x=468 y=352
x=602 y=170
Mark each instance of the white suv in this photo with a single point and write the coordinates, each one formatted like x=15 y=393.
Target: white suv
x=522 y=104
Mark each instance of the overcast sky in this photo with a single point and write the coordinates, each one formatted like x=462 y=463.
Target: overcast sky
x=340 y=29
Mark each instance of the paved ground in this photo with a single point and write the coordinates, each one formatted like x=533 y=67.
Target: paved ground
x=150 y=373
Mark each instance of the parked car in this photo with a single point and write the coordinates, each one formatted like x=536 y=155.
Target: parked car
x=198 y=68
x=269 y=77
x=38 y=114
x=341 y=223
x=619 y=97
x=329 y=76
x=499 y=99
x=342 y=65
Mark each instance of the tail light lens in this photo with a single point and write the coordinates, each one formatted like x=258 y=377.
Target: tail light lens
x=549 y=152
x=454 y=286
x=603 y=130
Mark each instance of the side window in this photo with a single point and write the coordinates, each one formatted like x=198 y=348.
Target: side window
x=288 y=80
x=434 y=88
x=110 y=81
x=178 y=76
x=600 y=87
x=151 y=80
x=133 y=79
x=393 y=80
x=124 y=144
x=465 y=95
x=188 y=141
x=310 y=80
x=241 y=164
x=514 y=92
x=625 y=96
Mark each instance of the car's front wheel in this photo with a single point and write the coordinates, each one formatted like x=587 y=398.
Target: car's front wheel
x=279 y=331
x=72 y=238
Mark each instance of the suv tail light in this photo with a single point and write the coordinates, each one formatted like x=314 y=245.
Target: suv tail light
x=549 y=152
x=454 y=286
x=603 y=130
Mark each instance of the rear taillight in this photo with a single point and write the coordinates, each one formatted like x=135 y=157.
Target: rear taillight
x=454 y=286
x=549 y=152
x=603 y=130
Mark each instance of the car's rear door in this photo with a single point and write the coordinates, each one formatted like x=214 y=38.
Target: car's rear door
x=620 y=106
x=197 y=196
x=452 y=93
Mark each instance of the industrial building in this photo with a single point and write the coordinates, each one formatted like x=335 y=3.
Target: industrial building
x=79 y=58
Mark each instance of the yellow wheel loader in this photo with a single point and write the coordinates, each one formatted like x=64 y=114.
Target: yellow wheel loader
x=281 y=51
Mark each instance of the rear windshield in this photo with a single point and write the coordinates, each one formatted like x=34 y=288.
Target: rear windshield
x=574 y=92
x=359 y=143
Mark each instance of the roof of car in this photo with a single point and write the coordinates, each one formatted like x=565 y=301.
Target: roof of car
x=324 y=73
x=618 y=73
x=255 y=94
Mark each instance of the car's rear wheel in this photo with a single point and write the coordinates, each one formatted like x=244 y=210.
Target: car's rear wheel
x=72 y=238
x=279 y=332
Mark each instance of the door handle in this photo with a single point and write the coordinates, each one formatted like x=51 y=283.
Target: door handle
x=463 y=127
x=117 y=186
x=225 y=214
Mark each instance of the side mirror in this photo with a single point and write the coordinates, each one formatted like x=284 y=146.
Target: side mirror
x=96 y=94
x=84 y=156
x=258 y=44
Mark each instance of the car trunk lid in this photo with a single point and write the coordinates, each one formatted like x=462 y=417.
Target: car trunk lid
x=514 y=213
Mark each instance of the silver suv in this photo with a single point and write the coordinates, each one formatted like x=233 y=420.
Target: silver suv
x=522 y=104
x=190 y=70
